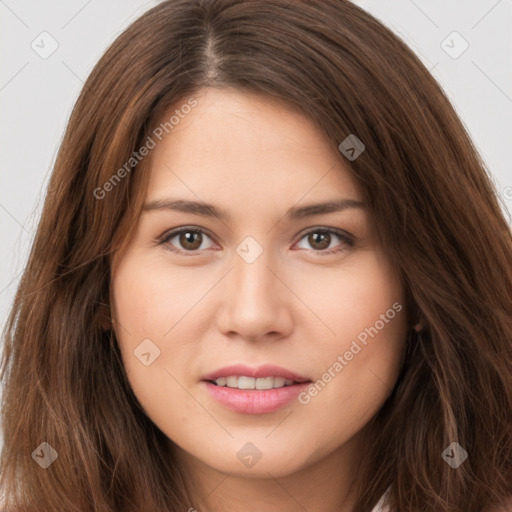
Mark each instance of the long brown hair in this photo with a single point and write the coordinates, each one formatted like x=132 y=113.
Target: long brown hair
x=432 y=203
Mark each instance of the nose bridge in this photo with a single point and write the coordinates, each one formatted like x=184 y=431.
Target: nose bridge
x=251 y=272
x=255 y=303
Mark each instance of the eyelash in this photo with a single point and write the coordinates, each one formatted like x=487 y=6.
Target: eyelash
x=344 y=237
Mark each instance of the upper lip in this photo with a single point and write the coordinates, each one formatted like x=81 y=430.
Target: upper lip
x=266 y=370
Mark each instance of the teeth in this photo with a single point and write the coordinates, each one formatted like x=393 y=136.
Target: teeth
x=244 y=382
x=232 y=382
x=279 y=382
x=265 y=383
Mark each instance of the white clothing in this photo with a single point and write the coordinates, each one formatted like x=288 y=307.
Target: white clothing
x=380 y=505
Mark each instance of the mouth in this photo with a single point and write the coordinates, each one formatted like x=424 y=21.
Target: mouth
x=249 y=390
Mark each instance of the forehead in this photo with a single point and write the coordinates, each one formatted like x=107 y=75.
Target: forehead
x=246 y=148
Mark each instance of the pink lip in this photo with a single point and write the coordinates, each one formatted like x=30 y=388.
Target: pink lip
x=255 y=401
x=266 y=370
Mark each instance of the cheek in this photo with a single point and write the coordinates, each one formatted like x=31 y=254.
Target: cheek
x=148 y=306
x=352 y=301
x=150 y=300
x=358 y=357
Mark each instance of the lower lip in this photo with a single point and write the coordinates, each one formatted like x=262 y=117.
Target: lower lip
x=255 y=401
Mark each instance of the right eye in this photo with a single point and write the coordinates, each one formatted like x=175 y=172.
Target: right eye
x=189 y=240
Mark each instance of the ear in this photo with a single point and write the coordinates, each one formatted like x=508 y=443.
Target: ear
x=103 y=319
x=419 y=326
x=417 y=321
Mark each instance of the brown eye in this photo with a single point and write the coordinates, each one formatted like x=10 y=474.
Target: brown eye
x=190 y=240
x=319 y=240
x=323 y=241
x=186 y=240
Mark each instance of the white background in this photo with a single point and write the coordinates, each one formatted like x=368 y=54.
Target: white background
x=37 y=95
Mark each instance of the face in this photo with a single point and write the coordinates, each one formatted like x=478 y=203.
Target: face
x=259 y=333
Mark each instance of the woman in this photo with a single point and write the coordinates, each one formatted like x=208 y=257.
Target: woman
x=271 y=273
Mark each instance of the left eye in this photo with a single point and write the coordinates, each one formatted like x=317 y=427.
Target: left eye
x=320 y=240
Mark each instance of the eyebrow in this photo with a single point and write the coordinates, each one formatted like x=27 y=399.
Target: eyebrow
x=209 y=210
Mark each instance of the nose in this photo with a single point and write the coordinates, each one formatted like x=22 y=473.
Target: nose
x=256 y=302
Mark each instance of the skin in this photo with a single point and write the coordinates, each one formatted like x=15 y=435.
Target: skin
x=255 y=157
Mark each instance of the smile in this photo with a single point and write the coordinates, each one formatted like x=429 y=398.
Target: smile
x=248 y=390
x=243 y=382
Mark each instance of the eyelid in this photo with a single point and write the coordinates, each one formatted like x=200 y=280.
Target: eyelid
x=337 y=231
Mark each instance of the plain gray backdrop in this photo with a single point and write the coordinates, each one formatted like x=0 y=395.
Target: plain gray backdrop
x=50 y=47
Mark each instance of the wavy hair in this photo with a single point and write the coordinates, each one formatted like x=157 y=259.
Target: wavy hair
x=432 y=202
